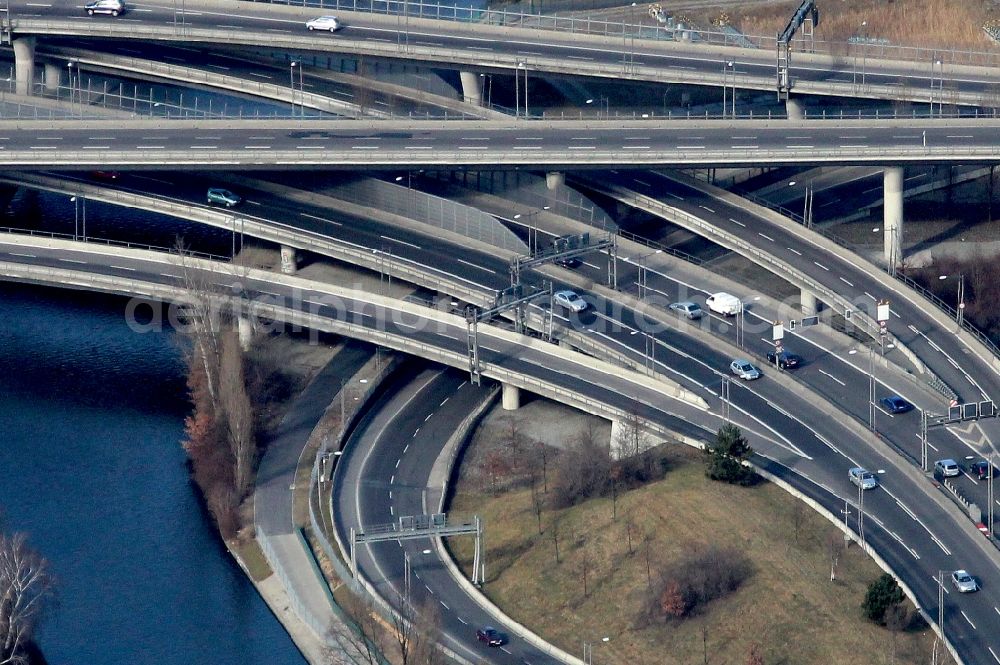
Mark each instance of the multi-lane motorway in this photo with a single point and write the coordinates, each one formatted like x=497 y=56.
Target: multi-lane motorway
x=493 y=47
x=923 y=531
x=352 y=144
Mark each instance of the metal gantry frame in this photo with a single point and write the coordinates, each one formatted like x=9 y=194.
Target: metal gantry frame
x=413 y=527
x=512 y=298
x=806 y=17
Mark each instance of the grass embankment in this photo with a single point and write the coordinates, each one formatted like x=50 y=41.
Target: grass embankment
x=788 y=606
x=944 y=24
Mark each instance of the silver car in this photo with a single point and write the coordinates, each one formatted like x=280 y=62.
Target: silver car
x=570 y=300
x=964 y=582
x=862 y=478
x=947 y=467
x=744 y=369
x=113 y=7
x=690 y=310
x=331 y=23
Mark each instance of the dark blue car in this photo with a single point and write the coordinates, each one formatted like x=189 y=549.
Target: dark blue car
x=896 y=404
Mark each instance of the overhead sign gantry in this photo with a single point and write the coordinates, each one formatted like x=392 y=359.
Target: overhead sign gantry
x=806 y=17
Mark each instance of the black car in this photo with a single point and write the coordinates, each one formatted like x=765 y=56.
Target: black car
x=491 y=636
x=981 y=469
x=896 y=404
x=784 y=359
x=569 y=263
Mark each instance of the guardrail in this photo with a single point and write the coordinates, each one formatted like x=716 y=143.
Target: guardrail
x=110 y=243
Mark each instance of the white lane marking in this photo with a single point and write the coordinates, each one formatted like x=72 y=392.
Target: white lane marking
x=464 y=622
x=430 y=590
x=401 y=242
x=391 y=510
x=799 y=145
x=375 y=147
x=392 y=479
x=415 y=432
x=27 y=256
x=133 y=270
x=846 y=282
x=320 y=219
x=707 y=208
x=635 y=147
x=504 y=649
x=794 y=251
x=444 y=400
x=938 y=583
x=444 y=606
x=969 y=620
x=256 y=147
x=167 y=274
x=735 y=222
x=821 y=266
x=149 y=147
x=405 y=448
x=690 y=147
x=993 y=653
x=833 y=377
x=765 y=237
x=473 y=265
x=72 y=261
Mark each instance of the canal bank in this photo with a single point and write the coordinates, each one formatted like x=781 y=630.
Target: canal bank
x=91 y=416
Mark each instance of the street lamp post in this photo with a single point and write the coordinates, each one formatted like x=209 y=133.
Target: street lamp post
x=728 y=70
x=79 y=202
x=72 y=89
x=532 y=230
x=807 y=203
x=960 y=303
x=302 y=93
x=603 y=102
x=522 y=66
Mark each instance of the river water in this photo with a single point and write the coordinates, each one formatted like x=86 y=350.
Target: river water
x=91 y=418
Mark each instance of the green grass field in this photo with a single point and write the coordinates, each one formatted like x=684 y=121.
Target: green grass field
x=789 y=606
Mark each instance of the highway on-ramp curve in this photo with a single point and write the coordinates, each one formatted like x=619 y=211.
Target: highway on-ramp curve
x=923 y=532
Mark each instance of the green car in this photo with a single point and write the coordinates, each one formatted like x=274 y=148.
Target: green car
x=223 y=197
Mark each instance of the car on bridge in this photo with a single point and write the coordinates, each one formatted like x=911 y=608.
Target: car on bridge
x=982 y=470
x=491 y=636
x=863 y=478
x=570 y=300
x=947 y=468
x=896 y=404
x=329 y=23
x=113 y=7
x=690 y=310
x=783 y=359
x=724 y=303
x=964 y=582
x=222 y=197
x=744 y=369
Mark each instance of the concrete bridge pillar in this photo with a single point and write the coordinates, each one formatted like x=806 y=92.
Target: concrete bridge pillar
x=244 y=328
x=793 y=108
x=289 y=261
x=53 y=77
x=555 y=179
x=807 y=302
x=472 y=88
x=511 y=397
x=24 y=64
x=892 y=223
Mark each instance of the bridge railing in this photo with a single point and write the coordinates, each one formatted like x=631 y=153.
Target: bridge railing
x=110 y=243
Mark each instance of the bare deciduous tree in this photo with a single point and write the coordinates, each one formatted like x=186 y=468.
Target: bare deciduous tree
x=25 y=586
x=834 y=546
x=239 y=413
x=417 y=632
x=897 y=618
x=555 y=538
x=537 y=501
x=363 y=642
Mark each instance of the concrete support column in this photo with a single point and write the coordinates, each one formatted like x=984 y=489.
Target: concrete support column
x=511 y=397
x=892 y=194
x=289 y=262
x=472 y=88
x=24 y=64
x=555 y=179
x=244 y=329
x=53 y=77
x=793 y=108
x=807 y=302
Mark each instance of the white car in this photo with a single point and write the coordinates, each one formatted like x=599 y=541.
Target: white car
x=744 y=369
x=964 y=582
x=113 y=7
x=331 y=23
x=862 y=478
x=570 y=300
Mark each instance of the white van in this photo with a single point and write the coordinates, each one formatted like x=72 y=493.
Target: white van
x=724 y=303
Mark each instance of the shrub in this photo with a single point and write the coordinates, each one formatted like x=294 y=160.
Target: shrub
x=882 y=594
x=725 y=457
x=699 y=577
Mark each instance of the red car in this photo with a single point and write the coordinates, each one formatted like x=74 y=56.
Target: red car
x=491 y=636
